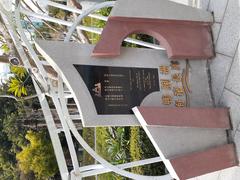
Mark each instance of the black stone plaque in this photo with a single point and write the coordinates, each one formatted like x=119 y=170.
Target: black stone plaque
x=115 y=90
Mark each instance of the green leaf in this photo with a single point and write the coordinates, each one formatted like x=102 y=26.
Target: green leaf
x=5 y=48
x=19 y=71
x=17 y=87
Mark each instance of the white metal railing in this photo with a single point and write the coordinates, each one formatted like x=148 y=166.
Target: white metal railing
x=85 y=28
x=8 y=20
x=59 y=97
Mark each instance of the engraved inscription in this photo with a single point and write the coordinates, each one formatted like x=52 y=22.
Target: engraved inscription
x=116 y=90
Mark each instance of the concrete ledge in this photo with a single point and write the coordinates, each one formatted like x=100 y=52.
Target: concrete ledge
x=184 y=117
x=199 y=163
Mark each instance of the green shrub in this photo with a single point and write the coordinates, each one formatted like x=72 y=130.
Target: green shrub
x=38 y=156
x=149 y=152
x=102 y=137
x=135 y=150
x=88 y=136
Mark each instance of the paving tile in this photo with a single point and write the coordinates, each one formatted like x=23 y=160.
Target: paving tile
x=218 y=7
x=237 y=173
x=227 y=174
x=233 y=81
x=229 y=33
x=238 y=128
x=219 y=68
x=193 y=179
x=210 y=176
x=237 y=144
x=185 y=2
x=215 y=30
x=231 y=100
x=203 y=4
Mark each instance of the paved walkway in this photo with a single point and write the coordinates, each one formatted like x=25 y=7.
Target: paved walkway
x=225 y=71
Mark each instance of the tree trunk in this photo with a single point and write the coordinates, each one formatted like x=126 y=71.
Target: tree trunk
x=81 y=34
x=76 y=4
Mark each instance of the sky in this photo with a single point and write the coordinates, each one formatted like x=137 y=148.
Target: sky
x=4 y=69
x=4 y=75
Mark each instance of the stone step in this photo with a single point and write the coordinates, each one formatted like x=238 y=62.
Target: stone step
x=184 y=117
x=199 y=163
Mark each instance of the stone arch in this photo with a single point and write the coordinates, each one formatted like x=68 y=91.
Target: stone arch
x=159 y=37
x=181 y=39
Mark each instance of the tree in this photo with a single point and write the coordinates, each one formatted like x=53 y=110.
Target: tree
x=15 y=154
x=38 y=156
x=7 y=158
x=10 y=137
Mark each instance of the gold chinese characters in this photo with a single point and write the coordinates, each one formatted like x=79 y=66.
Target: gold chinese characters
x=175 y=65
x=164 y=69
x=166 y=99
x=178 y=91
x=180 y=103
x=165 y=84
x=177 y=77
